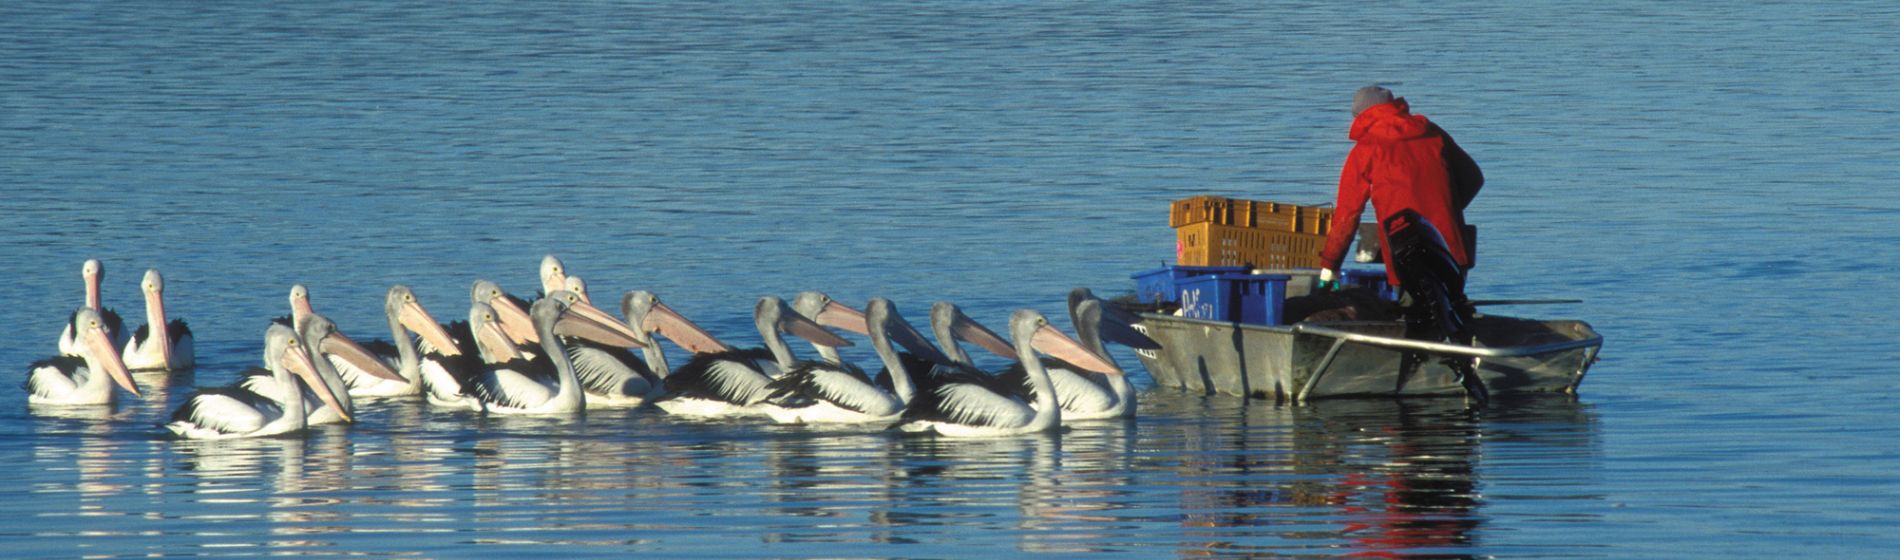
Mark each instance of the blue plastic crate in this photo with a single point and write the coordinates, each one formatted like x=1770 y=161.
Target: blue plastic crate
x=1372 y=280
x=1159 y=285
x=1241 y=298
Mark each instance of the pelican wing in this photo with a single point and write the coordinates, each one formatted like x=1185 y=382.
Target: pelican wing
x=843 y=385
x=515 y=384
x=971 y=405
x=732 y=377
x=603 y=369
x=56 y=376
x=259 y=381
x=225 y=411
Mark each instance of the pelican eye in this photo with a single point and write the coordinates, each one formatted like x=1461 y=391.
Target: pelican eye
x=92 y=324
x=408 y=297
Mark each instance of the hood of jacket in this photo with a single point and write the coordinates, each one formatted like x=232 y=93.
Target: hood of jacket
x=1389 y=122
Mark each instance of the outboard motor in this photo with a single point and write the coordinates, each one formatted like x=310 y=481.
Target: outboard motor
x=1438 y=310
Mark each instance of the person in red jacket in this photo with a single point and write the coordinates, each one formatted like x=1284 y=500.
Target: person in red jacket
x=1419 y=182
x=1400 y=161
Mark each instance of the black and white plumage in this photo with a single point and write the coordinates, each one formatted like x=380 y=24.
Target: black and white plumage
x=159 y=344
x=93 y=273
x=1083 y=394
x=85 y=379
x=733 y=382
x=978 y=408
x=518 y=387
x=825 y=393
x=233 y=412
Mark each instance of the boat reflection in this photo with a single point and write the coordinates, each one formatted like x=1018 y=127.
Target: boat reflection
x=1398 y=477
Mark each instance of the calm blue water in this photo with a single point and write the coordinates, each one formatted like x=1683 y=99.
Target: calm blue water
x=1715 y=181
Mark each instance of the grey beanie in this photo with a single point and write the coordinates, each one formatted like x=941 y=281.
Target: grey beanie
x=1369 y=96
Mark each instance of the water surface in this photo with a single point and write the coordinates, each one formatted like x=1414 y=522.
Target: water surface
x=1713 y=181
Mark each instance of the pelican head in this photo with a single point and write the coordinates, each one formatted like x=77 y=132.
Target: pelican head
x=283 y=349
x=400 y=303
x=821 y=308
x=1027 y=324
x=553 y=275
x=646 y=314
x=90 y=330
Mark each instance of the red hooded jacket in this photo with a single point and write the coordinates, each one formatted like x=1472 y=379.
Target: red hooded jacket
x=1402 y=161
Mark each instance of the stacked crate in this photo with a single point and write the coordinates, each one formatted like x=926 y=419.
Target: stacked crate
x=1218 y=231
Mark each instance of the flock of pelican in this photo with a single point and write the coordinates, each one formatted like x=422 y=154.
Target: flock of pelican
x=560 y=354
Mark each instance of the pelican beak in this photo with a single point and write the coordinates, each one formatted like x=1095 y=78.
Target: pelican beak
x=499 y=347
x=677 y=328
x=1118 y=326
x=807 y=329
x=101 y=347
x=841 y=316
x=161 y=330
x=299 y=310
x=1051 y=341
x=342 y=347
x=618 y=333
x=969 y=330
x=415 y=318
x=514 y=321
x=589 y=322
x=298 y=362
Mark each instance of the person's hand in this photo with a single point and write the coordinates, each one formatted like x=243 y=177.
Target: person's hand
x=1328 y=280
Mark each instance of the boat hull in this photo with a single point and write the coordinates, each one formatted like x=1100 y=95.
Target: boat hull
x=1318 y=360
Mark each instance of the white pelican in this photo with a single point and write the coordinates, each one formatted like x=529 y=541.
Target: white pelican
x=323 y=342
x=1084 y=394
x=821 y=308
x=83 y=379
x=823 y=393
x=399 y=355
x=949 y=324
x=232 y=412
x=159 y=344
x=93 y=273
x=976 y=408
x=551 y=387
x=733 y=382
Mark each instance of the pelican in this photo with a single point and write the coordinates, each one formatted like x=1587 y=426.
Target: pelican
x=822 y=393
x=972 y=408
x=233 y=412
x=81 y=379
x=93 y=273
x=1083 y=394
x=549 y=387
x=399 y=356
x=158 y=344
x=733 y=382
x=324 y=343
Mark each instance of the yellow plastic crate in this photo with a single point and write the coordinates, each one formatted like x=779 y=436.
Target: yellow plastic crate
x=1211 y=244
x=1260 y=214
